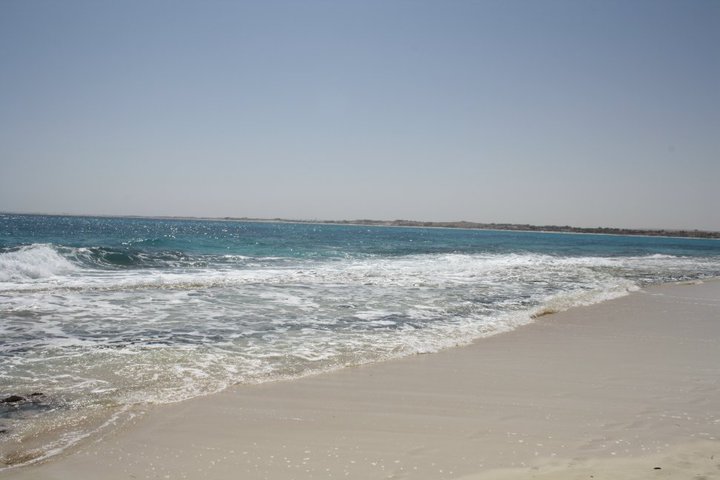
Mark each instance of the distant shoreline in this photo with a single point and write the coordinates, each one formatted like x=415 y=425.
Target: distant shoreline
x=514 y=227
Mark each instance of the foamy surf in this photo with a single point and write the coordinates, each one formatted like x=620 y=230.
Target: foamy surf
x=33 y=262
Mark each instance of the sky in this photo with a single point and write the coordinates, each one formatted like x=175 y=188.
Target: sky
x=578 y=112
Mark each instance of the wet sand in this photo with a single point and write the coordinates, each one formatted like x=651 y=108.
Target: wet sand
x=626 y=389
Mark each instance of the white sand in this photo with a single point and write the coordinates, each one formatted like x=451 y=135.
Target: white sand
x=609 y=391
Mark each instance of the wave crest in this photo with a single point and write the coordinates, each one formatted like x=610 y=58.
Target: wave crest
x=33 y=262
x=113 y=258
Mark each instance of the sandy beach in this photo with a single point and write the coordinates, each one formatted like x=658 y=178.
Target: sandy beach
x=628 y=388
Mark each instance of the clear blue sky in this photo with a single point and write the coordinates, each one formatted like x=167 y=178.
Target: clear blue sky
x=547 y=112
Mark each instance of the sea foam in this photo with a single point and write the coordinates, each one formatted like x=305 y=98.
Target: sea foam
x=33 y=262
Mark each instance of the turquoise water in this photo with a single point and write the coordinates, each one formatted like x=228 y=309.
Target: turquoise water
x=105 y=314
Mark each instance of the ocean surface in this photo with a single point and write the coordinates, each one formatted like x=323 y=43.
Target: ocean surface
x=106 y=315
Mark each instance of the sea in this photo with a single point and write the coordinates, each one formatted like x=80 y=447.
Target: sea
x=101 y=317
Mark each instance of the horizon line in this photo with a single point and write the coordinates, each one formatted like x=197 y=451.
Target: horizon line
x=457 y=224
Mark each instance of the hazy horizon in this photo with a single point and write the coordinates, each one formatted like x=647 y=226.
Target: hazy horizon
x=545 y=113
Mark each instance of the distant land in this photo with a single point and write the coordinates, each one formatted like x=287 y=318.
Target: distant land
x=501 y=226
x=518 y=227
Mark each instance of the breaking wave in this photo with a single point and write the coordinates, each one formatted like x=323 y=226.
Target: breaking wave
x=33 y=262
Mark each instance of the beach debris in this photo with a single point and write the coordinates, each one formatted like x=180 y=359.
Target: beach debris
x=657 y=468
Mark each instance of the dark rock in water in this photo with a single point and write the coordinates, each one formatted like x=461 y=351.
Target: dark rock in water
x=33 y=397
x=12 y=399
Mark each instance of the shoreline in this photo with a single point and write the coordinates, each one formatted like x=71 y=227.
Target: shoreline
x=602 y=388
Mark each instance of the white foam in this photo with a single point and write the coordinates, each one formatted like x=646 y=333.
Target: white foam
x=419 y=271
x=32 y=262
